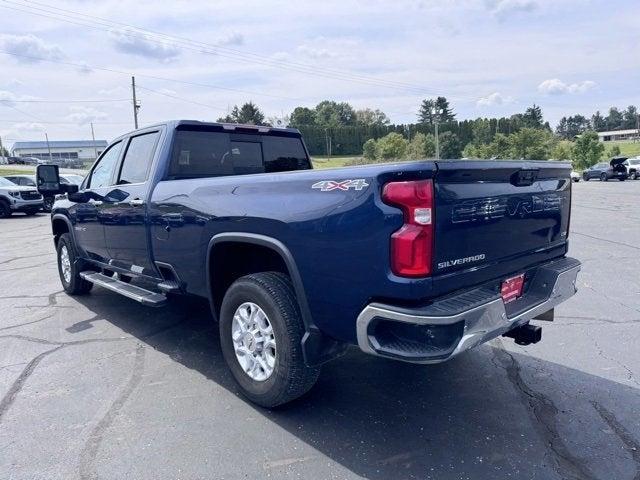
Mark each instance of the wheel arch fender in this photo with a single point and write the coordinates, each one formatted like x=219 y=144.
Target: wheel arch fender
x=317 y=347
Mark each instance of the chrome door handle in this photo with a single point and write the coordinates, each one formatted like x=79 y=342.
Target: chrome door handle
x=136 y=202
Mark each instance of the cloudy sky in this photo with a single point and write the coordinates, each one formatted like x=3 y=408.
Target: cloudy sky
x=65 y=64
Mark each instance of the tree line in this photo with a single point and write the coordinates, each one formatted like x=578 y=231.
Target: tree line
x=336 y=128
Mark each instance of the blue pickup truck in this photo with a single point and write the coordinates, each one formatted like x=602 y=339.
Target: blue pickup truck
x=414 y=261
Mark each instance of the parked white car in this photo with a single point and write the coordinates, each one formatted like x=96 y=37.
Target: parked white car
x=633 y=167
x=575 y=176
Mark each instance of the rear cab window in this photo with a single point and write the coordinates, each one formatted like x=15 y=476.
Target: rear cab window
x=212 y=152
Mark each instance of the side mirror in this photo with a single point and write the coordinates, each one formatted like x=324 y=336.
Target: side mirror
x=48 y=180
x=70 y=188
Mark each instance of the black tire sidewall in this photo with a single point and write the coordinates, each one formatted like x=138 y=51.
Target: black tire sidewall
x=5 y=210
x=77 y=285
x=245 y=290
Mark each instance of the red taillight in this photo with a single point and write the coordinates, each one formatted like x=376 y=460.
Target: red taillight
x=412 y=245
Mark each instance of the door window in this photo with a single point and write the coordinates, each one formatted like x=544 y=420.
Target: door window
x=137 y=159
x=103 y=171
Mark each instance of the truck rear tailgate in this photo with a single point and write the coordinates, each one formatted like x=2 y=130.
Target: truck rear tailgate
x=499 y=216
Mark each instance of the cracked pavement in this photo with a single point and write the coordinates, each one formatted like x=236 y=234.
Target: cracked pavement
x=101 y=387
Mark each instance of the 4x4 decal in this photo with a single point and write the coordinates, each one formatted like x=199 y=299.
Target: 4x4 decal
x=329 y=185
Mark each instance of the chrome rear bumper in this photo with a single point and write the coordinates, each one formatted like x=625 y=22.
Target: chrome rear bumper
x=451 y=325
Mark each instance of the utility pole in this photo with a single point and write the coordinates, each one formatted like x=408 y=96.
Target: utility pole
x=48 y=146
x=436 y=117
x=136 y=105
x=93 y=137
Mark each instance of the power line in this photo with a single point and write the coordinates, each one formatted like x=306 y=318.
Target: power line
x=234 y=54
x=153 y=77
x=64 y=123
x=224 y=109
x=3 y=102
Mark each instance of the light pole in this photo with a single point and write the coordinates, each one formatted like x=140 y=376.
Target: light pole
x=48 y=147
x=436 y=118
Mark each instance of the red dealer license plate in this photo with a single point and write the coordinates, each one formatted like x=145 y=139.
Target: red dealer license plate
x=512 y=288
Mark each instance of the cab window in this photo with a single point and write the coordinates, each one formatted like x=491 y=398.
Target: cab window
x=103 y=171
x=137 y=159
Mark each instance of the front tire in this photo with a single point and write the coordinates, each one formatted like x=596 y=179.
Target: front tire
x=603 y=177
x=47 y=204
x=5 y=210
x=70 y=277
x=261 y=331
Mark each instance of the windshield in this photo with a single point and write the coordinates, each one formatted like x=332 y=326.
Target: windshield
x=6 y=183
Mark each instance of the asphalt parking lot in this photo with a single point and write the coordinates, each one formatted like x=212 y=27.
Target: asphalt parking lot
x=101 y=387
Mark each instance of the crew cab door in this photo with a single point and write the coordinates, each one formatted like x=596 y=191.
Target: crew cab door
x=125 y=210
x=88 y=226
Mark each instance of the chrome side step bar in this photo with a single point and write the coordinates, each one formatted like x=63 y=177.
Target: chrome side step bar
x=138 y=294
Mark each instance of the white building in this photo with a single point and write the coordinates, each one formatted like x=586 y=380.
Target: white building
x=619 y=135
x=83 y=150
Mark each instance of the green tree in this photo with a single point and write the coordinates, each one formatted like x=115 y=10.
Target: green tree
x=569 y=127
x=614 y=119
x=630 y=117
x=421 y=146
x=598 y=122
x=330 y=114
x=426 y=114
x=614 y=151
x=248 y=114
x=391 y=146
x=369 y=149
x=367 y=117
x=587 y=150
x=532 y=117
x=482 y=131
x=532 y=144
x=302 y=116
x=563 y=150
x=450 y=146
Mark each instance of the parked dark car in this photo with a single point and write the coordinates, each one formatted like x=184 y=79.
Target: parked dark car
x=606 y=171
x=413 y=261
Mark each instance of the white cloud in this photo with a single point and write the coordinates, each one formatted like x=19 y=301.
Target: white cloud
x=7 y=98
x=555 y=86
x=10 y=98
x=29 y=48
x=28 y=127
x=230 y=38
x=495 y=98
x=133 y=43
x=84 y=69
x=504 y=8
x=281 y=56
x=316 y=53
x=85 y=115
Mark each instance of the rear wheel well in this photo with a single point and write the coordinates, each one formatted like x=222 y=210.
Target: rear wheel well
x=59 y=227
x=229 y=261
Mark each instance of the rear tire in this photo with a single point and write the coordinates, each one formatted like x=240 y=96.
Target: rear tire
x=70 y=277
x=603 y=177
x=5 y=210
x=257 y=310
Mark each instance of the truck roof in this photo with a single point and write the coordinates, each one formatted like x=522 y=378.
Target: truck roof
x=227 y=126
